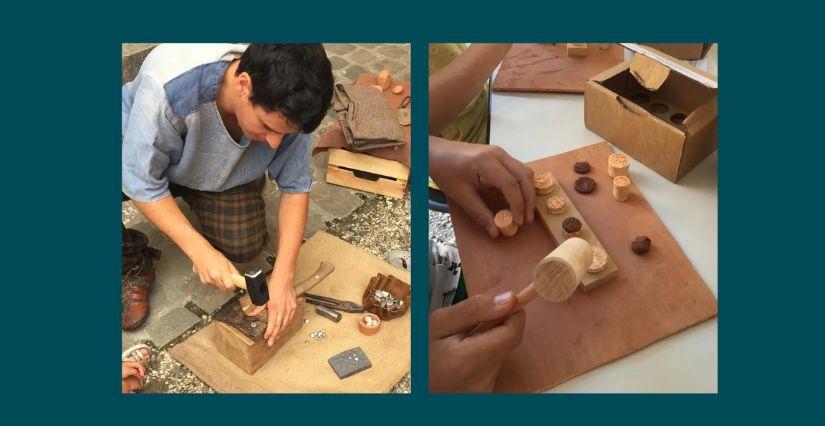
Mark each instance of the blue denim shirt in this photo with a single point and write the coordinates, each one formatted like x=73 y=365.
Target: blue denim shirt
x=172 y=131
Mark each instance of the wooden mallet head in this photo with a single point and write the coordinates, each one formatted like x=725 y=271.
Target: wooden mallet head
x=555 y=278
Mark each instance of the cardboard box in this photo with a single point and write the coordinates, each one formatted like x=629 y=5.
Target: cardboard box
x=684 y=51
x=656 y=109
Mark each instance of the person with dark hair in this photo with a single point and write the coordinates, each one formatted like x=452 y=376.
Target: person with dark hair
x=208 y=122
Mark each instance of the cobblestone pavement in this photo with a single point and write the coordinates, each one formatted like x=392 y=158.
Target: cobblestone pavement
x=181 y=305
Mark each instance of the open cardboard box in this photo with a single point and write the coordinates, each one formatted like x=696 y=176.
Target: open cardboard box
x=684 y=51
x=658 y=110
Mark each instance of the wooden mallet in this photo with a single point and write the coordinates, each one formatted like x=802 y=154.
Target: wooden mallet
x=555 y=278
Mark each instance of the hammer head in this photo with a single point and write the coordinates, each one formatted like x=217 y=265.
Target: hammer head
x=256 y=287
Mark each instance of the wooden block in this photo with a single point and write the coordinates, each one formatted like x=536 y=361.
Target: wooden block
x=577 y=49
x=244 y=345
x=367 y=173
x=552 y=222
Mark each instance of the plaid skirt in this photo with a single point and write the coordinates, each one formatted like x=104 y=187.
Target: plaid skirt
x=233 y=221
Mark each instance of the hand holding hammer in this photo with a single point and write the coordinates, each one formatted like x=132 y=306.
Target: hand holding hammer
x=555 y=278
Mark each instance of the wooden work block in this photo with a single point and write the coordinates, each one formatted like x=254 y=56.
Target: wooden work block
x=367 y=173
x=240 y=338
x=577 y=49
x=552 y=222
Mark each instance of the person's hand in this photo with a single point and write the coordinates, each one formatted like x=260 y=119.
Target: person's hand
x=213 y=268
x=130 y=374
x=462 y=170
x=461 y=363
x=281 y=305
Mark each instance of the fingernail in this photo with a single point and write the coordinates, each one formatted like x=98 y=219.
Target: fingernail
x=503 y=298
x=271 y=343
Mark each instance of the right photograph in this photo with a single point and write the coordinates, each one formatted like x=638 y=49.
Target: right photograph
x=573 y=224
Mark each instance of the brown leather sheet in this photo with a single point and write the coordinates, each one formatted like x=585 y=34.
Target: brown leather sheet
x=334 y=138
x=652 y=296
x=547 y=68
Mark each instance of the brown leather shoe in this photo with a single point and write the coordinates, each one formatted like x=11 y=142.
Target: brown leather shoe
x=138 y=274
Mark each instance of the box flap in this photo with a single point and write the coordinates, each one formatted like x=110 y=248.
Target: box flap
x=701 y=115
x=649 y=73
x=701 y=77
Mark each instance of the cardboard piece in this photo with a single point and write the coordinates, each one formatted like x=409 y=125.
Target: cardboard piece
x=656 y=109
x=548 y=68
x=301 y=365
x=652 y=297
x=684 y=51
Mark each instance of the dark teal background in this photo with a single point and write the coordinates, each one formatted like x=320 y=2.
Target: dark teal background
x=61 y=175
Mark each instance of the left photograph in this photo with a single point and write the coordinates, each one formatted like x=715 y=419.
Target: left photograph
x=265 y=218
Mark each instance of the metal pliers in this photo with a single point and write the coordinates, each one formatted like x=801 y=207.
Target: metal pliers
x=338 y=305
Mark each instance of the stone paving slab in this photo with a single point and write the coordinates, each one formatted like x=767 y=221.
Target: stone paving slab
x=171 y=325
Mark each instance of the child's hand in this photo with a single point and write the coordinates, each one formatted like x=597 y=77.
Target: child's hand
x=461 y=363
x=461 y=170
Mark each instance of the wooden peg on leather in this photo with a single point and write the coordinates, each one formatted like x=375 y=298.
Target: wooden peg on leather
x=504 y=223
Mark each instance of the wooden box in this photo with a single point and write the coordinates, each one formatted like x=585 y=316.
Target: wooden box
x=367 y=173
x=250 y=351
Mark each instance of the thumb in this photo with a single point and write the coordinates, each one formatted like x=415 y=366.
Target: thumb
x=467 y=314
x=478 y=211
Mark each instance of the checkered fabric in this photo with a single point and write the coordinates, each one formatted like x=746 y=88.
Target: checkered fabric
x=233 y=221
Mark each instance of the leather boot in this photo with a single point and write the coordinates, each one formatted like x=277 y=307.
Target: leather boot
x=137 y=276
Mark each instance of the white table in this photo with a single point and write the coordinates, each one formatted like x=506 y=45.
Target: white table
x=531 y=126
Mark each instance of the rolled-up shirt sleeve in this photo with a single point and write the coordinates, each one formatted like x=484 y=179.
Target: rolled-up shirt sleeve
x=149 y=141
x=290 y=168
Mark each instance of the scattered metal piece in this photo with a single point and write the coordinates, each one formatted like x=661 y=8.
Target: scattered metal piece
x=318 y=335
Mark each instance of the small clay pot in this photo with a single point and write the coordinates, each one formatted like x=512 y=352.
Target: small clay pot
x=366 y=329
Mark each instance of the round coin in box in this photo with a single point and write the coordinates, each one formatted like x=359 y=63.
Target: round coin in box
x=368 y=323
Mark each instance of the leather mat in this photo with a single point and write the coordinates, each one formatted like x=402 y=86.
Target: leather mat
x=547 y=68
x=301 y=366
x=652 y=297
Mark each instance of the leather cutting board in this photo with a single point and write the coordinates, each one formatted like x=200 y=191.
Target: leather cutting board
x=652 y=297
x=547 y=68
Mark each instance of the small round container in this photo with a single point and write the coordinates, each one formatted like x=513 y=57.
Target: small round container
x=366 y=329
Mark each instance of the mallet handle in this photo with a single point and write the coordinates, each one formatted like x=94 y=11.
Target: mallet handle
x=522 y=299
x=239 y=281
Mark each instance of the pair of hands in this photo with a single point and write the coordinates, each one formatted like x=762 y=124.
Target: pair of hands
x=464 y=170
x=213 y=268
x=458 y=362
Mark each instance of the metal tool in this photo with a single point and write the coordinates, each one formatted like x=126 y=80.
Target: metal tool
x=254 y=282
x=339 y=305
x=328 y=313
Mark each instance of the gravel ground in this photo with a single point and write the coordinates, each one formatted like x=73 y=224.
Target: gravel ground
x=380 y=225
x=441 y=228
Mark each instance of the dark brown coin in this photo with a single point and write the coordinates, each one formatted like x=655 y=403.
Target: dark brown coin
x=581 y=167
x=571 y=225
x=640 y=245
x=585 y=185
